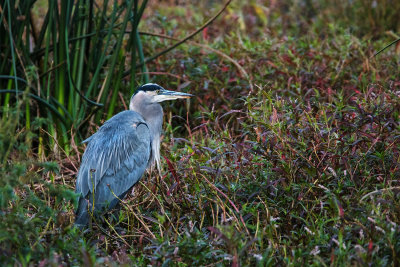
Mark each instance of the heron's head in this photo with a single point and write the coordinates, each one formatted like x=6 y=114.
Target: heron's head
x=153 y=93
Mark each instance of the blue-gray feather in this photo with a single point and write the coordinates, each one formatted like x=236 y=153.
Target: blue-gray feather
x=115 y=158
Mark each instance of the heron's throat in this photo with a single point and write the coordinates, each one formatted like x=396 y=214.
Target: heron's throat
x=155 y=153
x=155 y=126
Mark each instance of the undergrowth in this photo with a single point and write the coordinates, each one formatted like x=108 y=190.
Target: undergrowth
x=34 y=213
x=287 y=156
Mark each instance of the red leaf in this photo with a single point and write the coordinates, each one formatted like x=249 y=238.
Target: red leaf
x=330 y=91
x=370 y=246
x=340 y=208
x=233 y=79
x=205 y=33
x=173 y=173
x=341 y=212
x=224 y=68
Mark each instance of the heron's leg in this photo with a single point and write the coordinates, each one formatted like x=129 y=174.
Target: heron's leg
x=82 y=215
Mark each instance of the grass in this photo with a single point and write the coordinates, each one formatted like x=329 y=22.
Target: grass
x=288 y=155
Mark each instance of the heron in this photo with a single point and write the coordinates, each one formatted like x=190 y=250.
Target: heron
x=117 y=155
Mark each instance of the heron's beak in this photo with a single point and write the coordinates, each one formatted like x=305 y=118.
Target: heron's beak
x=164 y=95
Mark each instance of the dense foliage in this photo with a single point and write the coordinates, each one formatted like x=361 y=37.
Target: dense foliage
x=70 y=56
x=288 y=154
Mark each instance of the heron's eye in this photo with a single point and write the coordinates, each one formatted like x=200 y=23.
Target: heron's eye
x=157 y=91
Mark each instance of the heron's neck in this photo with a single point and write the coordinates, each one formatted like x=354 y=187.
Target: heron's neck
x=152 y=113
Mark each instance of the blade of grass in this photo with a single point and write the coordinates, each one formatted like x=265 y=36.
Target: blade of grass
x=114 y=58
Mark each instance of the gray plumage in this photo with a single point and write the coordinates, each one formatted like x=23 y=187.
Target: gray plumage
x=117 y=155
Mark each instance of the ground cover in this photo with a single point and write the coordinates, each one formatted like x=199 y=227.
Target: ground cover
x=288 y=154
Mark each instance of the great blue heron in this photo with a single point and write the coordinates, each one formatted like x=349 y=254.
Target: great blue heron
x=117 y=155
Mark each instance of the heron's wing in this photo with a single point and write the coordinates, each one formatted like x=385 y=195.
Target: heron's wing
x=117 y=153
